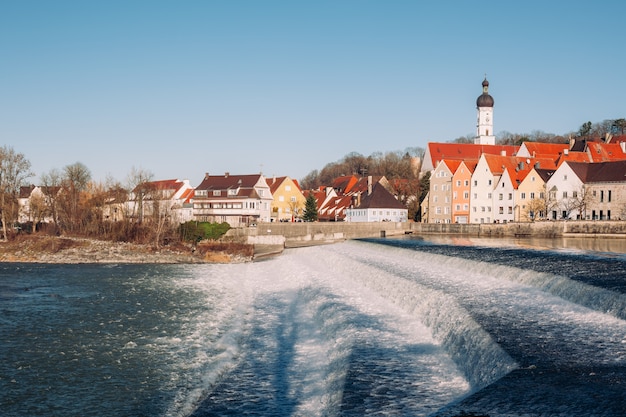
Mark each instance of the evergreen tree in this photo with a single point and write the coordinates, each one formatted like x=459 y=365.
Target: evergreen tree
x=310 y=209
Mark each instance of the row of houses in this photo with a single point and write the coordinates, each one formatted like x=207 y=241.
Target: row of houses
x=240 y=200
x=480 y=183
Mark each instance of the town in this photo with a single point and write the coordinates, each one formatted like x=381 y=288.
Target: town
x=464 y=183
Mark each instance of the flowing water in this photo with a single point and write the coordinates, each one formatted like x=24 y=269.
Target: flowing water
x=386 y=327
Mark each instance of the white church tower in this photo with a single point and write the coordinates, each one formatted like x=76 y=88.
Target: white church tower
x=484 y=128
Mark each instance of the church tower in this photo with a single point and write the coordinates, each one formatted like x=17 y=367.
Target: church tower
x=484 y=128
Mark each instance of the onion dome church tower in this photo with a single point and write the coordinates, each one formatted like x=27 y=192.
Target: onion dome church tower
x=484 y=128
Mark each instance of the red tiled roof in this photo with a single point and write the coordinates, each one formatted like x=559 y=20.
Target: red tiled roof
x=159 y=185
x=344 y=184
x=439 y=151
x=604 y=152
x=541 y=149
x=380 y=198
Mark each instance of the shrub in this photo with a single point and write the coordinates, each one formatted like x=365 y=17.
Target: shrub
x=197 y=231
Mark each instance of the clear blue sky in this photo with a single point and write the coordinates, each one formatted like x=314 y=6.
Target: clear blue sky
x=181 y=88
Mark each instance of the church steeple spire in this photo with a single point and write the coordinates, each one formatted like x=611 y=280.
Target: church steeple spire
x=484 y=126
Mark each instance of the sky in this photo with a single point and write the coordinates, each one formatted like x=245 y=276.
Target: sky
x=184 y=88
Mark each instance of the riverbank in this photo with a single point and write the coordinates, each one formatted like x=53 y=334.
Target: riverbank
x=71 y=250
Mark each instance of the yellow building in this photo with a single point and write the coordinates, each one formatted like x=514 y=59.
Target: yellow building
x=288 y=201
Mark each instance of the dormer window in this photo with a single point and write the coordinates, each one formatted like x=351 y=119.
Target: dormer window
x=217 y=193
x=232 y=192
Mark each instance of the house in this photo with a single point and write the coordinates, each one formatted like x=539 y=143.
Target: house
x=288 y=200
x=461 y=188
x=337 y=199
x=376 y=204
x=239 y=200
x=531 y=198
x=593 y=191
x=166 y=199
x=440 y=195
x=565 y=190
x=34 y=204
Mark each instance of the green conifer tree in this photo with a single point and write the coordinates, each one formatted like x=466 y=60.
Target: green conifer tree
x=310 y=209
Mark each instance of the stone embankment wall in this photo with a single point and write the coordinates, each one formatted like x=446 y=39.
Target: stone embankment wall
x=536 y=229
x=303 y=234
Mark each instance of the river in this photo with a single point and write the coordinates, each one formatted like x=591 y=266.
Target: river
x=408 y=326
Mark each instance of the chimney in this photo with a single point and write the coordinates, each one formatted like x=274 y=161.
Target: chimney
x=566 y=152
x=369 y=184
x=536 y=165
x=503 y=153
x=206 y=175
x=226 y=174
x=623 y=146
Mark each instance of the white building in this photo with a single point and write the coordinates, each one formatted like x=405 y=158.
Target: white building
x=239 y=200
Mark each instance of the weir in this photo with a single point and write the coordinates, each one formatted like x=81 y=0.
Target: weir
x=304 y=234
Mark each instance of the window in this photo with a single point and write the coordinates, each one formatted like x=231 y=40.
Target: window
x=466 y=195
x=510 y=210
x=601 y=196
x=217 y=193
x=532 y=179
x=564 y=194
x=532 y=196
x=475 y=195
x=458 y=183
x=446 y=210
x=489 y=196
x=465 y=207
x=232 y=191
x=287 y=187
x=523 y=196
x=574 y=194
x=482 y=208
x=565 y=177
x=510 y=196
x=293 y=199
x=435 y=199
x=466 y=183
x=454 y=195
x=501 y=210
x=435 y=187
x=281 y=198
x=489 y=182
x=500 y=196
x=475 y=183
x=608 y=197
x=457 y=207
x=474 y=209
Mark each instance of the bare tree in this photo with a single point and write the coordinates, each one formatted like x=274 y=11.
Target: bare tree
x=50 y=186
x=38 y=209
x=75 y=180
x=137 y=180
x=14 y=170
x=580 y=200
